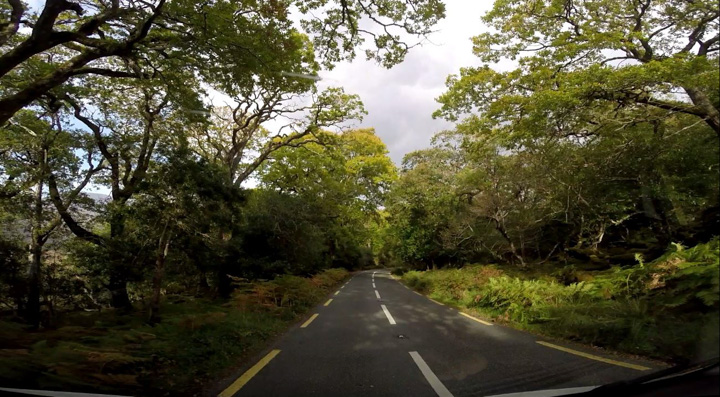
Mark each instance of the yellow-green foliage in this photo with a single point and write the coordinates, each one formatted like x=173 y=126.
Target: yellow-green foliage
x=667 y=308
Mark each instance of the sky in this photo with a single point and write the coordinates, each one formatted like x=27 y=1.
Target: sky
x=400 y=101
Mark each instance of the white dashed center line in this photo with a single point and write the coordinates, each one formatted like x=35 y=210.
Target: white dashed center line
x=377 y=294
x=435 y=383
x=389 y=316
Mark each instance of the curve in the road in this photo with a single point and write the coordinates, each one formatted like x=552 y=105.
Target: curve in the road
x=358 y=343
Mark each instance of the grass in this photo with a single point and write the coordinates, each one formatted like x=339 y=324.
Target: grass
x=667 y=309
x=196 y=342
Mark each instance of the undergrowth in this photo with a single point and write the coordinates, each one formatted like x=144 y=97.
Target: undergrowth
x=666 y=309
x=196 y=341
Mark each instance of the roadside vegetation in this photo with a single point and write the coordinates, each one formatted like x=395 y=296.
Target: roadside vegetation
x=198 y=340
x=666 y=309
x=584 y=172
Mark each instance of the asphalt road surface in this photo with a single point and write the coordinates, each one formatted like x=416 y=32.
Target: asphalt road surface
x=376 y=337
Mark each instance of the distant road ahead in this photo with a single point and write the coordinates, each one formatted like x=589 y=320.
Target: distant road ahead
x=376 y=337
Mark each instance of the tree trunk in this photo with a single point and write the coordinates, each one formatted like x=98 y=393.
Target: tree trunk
x=33 y=303
x=224 y=284
x=701 y=100
x=203 y=286
x=119 y=298
x=118 y=279
x=163 y=247
x=500 y=227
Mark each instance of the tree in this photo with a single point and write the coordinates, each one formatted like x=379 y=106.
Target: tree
x=183 y=201
x=224 y=42
x=37 y=147
x=350 y=167
x=344 y=177
x=127 y=138
x=583 y=65
x=236 y=139
x=596 y=201
x=422 y=204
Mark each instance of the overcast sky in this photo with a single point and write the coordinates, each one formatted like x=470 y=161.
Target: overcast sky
x=400 y=101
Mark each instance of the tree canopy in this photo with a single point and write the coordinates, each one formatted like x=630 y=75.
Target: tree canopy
x=584 y=65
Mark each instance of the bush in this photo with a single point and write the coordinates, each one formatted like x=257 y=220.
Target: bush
x=662 y=309
x=398 y=271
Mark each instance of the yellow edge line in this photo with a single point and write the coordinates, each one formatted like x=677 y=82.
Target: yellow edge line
x=439 y=303
x=337 y=292
x=594 y=357
x=328 y=302
x=476 y=319
x=306 y=323
x=245 y=378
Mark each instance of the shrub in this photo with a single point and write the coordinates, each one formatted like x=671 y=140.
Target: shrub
x=398 y=271
x=662 y=309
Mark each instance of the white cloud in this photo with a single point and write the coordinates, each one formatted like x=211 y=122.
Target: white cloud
x=400 y=101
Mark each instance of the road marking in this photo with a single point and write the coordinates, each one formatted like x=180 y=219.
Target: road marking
x=439 y=303
x=328 y=302
x=337 y=292
x=377 y=294
x=418 y=293
x=594 y=357
x=389 y=316
x=476 y=319
x=245 y=378
x=306 y=323
x=373 y=285
x=432 y=379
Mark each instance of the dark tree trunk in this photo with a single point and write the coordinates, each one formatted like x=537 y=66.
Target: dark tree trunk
x=163 y=247
x=33 y=302
x=203 y=286
x=224 y=286
x=118 y=277
x=36 y=244
x=119 y=298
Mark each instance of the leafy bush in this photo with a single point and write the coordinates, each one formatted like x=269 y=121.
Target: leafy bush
x=664 y=309
x=398 y=270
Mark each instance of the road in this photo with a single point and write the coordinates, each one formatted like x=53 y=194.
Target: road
x=374 y=336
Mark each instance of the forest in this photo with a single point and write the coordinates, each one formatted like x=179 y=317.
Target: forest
x=588 y=175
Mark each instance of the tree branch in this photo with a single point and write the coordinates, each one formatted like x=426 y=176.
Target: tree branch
x=62 y=210
x=103 y=72
x=9 y=29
